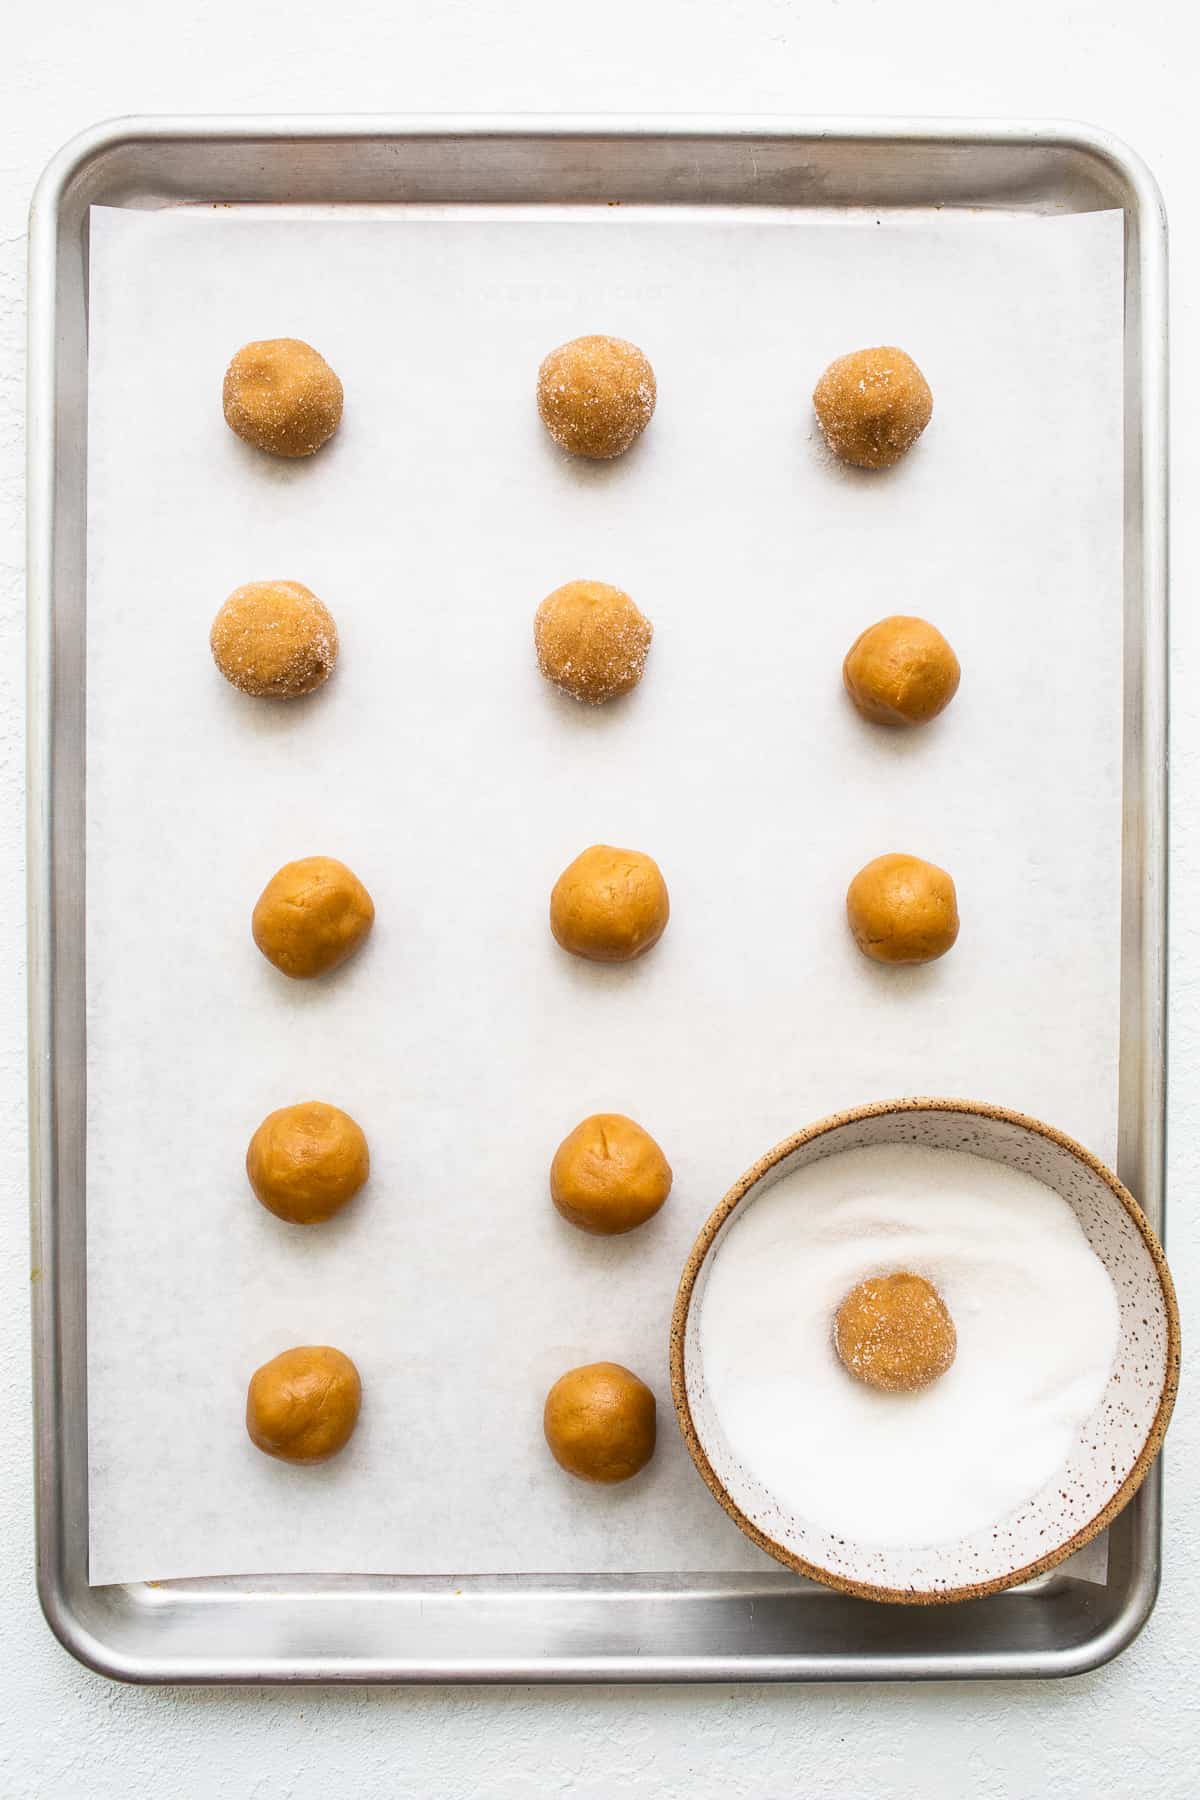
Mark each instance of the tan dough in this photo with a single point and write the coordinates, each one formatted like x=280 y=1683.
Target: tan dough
x=596 y=395
x=303 y=1405
x=274 y=638
x=609 y=905
x=600 y=1422
x=872 y=406
x=902 y=910
x=311 y=916
x=591 y=640
x=305 y=1162
x=893 y=1332
x=608 y=1175
x=281 y=395
x=901 y=671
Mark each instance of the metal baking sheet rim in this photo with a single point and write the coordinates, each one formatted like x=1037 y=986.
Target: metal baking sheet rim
x=527 y=1629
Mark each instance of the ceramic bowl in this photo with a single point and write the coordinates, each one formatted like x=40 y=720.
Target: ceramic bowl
x=1114 y=1448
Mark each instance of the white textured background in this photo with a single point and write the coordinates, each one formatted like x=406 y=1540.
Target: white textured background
x=1130 y=1728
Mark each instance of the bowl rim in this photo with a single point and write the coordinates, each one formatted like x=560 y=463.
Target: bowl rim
x=737 y=1193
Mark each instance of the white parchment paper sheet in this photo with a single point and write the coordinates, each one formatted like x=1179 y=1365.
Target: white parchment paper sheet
x=458 y=785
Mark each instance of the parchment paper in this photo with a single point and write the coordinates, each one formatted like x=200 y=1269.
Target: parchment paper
x=458 y=785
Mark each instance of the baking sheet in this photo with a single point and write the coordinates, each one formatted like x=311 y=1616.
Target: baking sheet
x=457 y=785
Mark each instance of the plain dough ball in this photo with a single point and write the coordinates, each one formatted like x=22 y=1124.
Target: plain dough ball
x=902 y=910
x=306 y=1161
x=901 y=671
x=893 y=1332
x=303 y=1405
x=596 y=395
x=274 y=638
x=873 y=405
x=600 y=1422
x=281 y=395
x=609 y=1175
x=609 y=905
x=591 y=640
x=311 y=916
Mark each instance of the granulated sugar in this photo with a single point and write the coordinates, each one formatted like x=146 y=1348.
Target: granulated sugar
x=1035 y=1312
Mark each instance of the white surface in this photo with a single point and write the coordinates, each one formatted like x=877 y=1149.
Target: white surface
x=1036 y=1327
x=462 y=1038
x=1128 y=1728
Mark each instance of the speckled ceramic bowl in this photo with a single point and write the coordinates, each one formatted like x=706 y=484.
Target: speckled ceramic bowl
x=1114 y=1448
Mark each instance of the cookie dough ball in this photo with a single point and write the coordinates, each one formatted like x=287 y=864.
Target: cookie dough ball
x=311 y=916
x=609 y=905
x=274 y=638
x=872 y=406
x=901 y=671
x=303 y=1405
x=902 y=910
x=894 y=1332
x=600 y=1422
x=609 y=1175
x=596 y=395
x=281 y=395
x=306 y=1161
x=591 y=640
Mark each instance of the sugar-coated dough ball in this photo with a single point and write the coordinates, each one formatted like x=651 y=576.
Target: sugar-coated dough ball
x=596 y=395
x=902 y=910
x=609 y=1175
x=303 y=1405
x=281 y=395
x=591 y=640
x=600 y=1422
x=311 y=916
x=609 y=905
x=306 y=1161
x=901 y=671
x=274 y=638
x=873 y=405
x=894 y=1332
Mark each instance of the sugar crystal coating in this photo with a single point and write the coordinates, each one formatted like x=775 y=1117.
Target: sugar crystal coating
x=591 y=640
x=282 y=396
x=596 y=395
x=274 y=639
x=872 y=406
